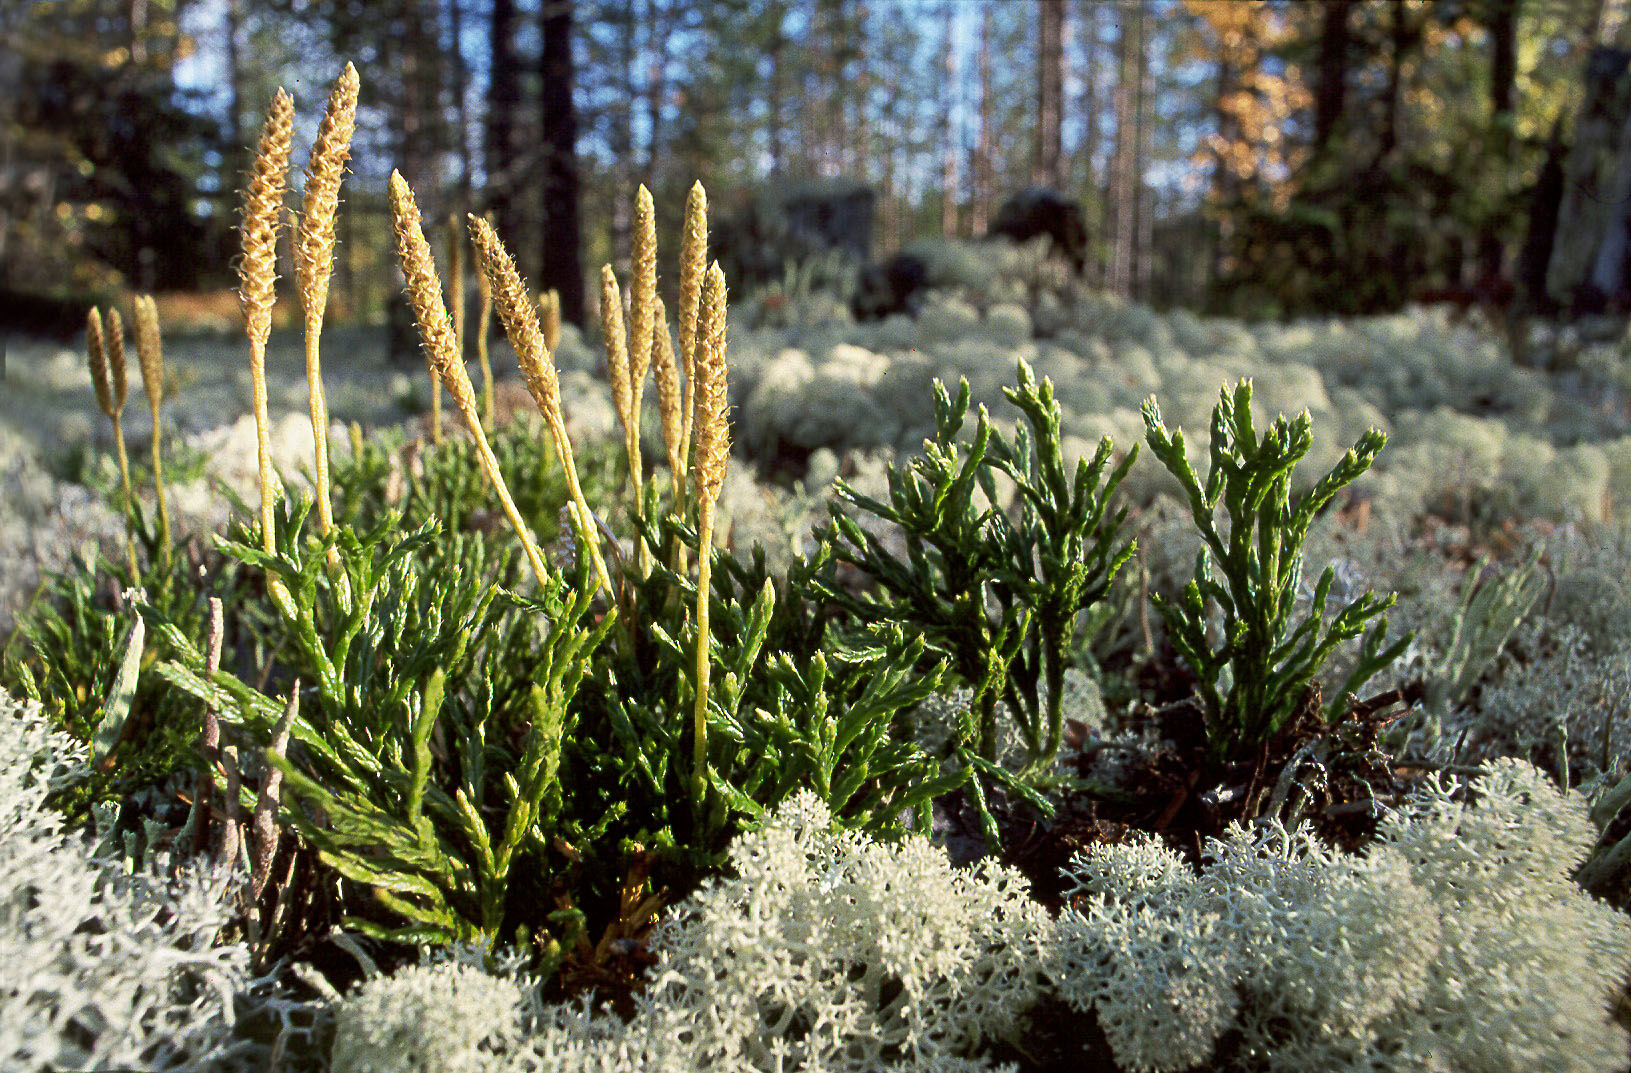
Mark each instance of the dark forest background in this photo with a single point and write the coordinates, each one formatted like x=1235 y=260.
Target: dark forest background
x=1252 y=157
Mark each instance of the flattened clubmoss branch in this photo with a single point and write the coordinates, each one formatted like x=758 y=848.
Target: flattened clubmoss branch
x=263 y=204
x=538 y=369
x=1272 y=664
x=314 y=259
x=109 y=380
x=693 y=267
x=151 y=353
x=436 y=331
x=708 y=476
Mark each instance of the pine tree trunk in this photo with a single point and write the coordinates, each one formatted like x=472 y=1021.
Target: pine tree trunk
x=502 y=159
x=1143 y=195
x=1331 y=92
x=1503 y=25
x=1050 y=83
x=1124 y=202
x=948 y=130
x=1094 y=201
x=983 y=164
x=461 y=106
x=562 y=236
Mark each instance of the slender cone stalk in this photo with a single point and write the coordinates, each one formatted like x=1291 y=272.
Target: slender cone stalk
x=314 y=259
x=708 y=476
x=642 y=313
x=693 y=267
x=484 y=323
x=436 y=331
x=151 y=354
x=538 y=369
x=263 y=205
x=110 y=398
x=617 y=371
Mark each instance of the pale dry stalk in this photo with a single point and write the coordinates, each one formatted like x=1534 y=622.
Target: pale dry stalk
x=314 y=259
x=693 y=267
x=549 y=306
x=708 y=477
x=455 y=272
x=537 y=369
x=257 y=272
x=436 y=332
x=151 y=353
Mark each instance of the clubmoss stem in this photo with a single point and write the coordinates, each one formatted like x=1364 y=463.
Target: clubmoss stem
x=151 y=353
x=538 y=370
x=257 y=272
x=314 y=262
x=436 y=331
x=107 y=364
x=708 y=477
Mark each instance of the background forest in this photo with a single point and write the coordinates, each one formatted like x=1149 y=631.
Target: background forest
x=1251 y=158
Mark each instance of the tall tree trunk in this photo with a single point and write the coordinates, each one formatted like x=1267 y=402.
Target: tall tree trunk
x=778 y=98
x=461 y=105
x=951 y=91
x=500 y=151
x=1401 y=37
x=658 y=19
x=983 y=164
x=1331 y=91
x=1124 y=201
x=1143 y=195
x=1503 y=75
x=1225 y=183
x=1094 y=201
x=622 y=141
x=413 y=52
x=562 y=235
x=1050 y=92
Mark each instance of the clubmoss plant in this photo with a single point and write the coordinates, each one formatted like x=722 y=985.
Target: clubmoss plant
x=1271 y=664
x=999 y=595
